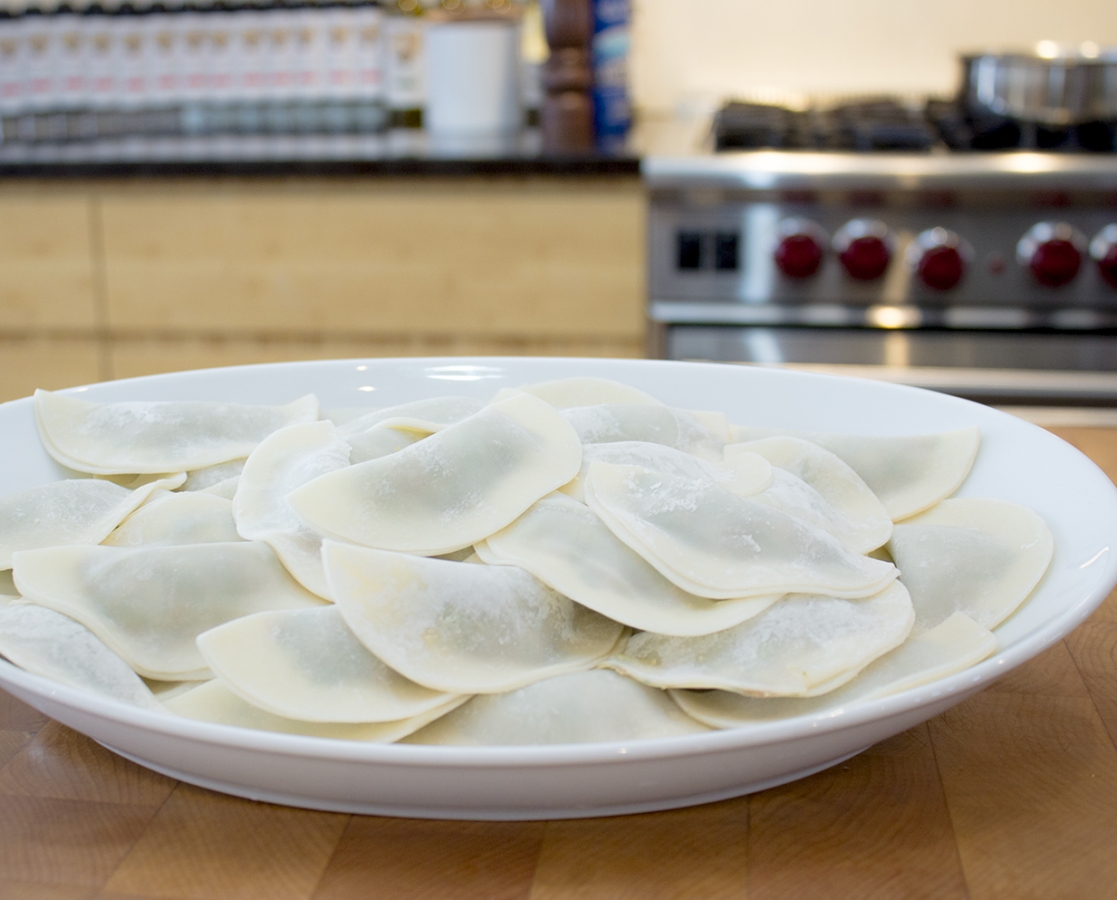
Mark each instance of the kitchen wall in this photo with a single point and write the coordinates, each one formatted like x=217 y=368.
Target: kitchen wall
x=687 y=53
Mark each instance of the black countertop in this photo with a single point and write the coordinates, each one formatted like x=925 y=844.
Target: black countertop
x=394 y=153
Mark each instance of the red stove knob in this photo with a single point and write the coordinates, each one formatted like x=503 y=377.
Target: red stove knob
x=939 y=257
x=801 y=245
x=864 y=247
x=1103 y=248
x=1053 y=251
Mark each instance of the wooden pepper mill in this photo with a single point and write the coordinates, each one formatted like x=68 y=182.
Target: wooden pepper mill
x=566 y=117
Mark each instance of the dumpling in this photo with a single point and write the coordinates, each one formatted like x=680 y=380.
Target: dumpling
x=171 y=518
x=953 y=645
x=210 y=476
x=703 y=434
x=306 y=664
x=564 y=393
x=461 y=628
x=286 y=460
x=971 y=555
x=742 y=473
x=564 y=544
x=138 y=437
x=716 y=544
x=836 y=498
x=908 y=473
x=212 y=701
x=581 y=707
x=449 y=490
x=803 y=645
x=150 y=603
x=63 y=513
x=52 y=645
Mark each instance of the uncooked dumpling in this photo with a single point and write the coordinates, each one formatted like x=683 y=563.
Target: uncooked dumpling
x=803 y=645
x=214 y=702
x=306 y=664
x=564 y=393
x=703 y=434
x=210 y=476
x=565 y=545
x=848 y=509
x=422 y=416
x=462 y=628
x=150 y=603
x=74 y=511
x=716 y=544
x=449 y=490
x=47 y=643
x=950 y=647
x=971 y=555
x=138 y=437
x=170 y=518
x=581 y=707
x=908 y=473
x=742 y=473
x=284 y=461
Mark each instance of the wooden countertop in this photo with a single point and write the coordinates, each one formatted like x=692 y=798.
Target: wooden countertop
x=1011 y=794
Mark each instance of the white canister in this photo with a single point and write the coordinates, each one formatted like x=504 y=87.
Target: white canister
x=473 y=72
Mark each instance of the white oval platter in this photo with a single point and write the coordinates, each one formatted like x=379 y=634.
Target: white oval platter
x=1018 y=462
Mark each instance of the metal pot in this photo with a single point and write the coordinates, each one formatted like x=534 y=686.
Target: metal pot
x=1055 y=85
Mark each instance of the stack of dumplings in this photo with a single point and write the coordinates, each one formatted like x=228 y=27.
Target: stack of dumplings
x=569 y=562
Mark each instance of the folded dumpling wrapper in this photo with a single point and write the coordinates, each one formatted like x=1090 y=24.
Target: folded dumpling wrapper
x=211 y=476
x=150 y=603
x=822 y=489
x=171 y=436
x=285 y=460
x=213 y=702
x=64 y=513
x=167 y=519
x=451 y=489
x=586 y=390
x=701 y=433
x=978 y=556
x=742 y=472
x=578 y=708
x=800 y=646
x=423 y=416
x=47 y=643
x=307 y=664
x=459 y=627
x=565 y=544
x=953 y=645
x=716 y=544
x=907 y=473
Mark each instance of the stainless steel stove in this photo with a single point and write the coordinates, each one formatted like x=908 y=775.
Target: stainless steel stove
x=839 y=239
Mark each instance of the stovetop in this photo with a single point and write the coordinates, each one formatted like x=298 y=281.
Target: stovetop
x=889 y=124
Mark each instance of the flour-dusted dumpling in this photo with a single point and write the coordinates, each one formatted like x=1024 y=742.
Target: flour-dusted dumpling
x=379 y=440
x=462 y=628
x=214 y=702
x=950 y=647
x=908 y=473
x=451 y=489
x=173 y=518
x=713 y=543
x=742 y=473
x=567 y=546
x=211 y=476
x=307 y=664
x=564 y=393
x=803 y=645
x=703 y=434
x=7 y=586
x=976 y=556
x=422 y=416
x=849 y=509
x=578 y=708
x=52 y=645
x=284 y=461
x=75 y=511
x=137 y=437
x=150 y=603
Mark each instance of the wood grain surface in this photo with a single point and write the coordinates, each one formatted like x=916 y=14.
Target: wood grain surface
x=1012 y=794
